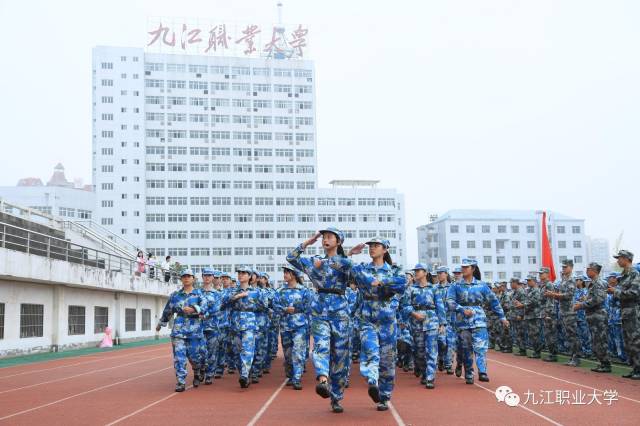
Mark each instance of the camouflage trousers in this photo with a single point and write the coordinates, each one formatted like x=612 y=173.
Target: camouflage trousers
x=446 y=346
x=187 y=349
x=378 y=355
x=584 y=335
x=274 y=331
x=551 y=334
x=426 y=352
x=520 y=327
x=570 y=325
x=212 y=346
x=475 y=341
x=243 y=350
x=261 y=348
x=631 y=335
x=331 y=351
x=616 y=343
x=506 y=341
x=599 y=334
x=534 y=328
x=294 y=347
x=224 y=350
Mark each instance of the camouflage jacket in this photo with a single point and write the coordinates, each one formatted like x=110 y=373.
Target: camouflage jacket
x=184 y=325
x=425 y=300
x=462 y=296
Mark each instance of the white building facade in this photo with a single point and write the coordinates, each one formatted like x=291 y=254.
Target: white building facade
x=213 y=160
x=506 y=243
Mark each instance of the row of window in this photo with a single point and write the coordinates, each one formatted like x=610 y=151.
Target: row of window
x=245 y=235
x=214 y=86
x=270 y=201
x=224 y=184
x=174 y=117
x=220 y=135
x=213 y=103
x=226 y=168
x=32 y=320
x=225 y=70
x=501 y=260
x=65 y=211
x=500 y=244
x=239 y=152
x=266 y=217
x=502 y=229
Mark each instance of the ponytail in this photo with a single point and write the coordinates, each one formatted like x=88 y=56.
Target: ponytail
x=341 y=251
x=387 y=258
x=476 y=273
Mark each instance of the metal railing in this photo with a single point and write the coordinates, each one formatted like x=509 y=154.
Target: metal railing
x=91 y=230
x=31 y=242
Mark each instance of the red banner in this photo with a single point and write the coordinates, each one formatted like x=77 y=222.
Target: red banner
x=547 y=257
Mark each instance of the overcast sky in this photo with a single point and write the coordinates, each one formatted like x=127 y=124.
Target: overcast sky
x=530 y=104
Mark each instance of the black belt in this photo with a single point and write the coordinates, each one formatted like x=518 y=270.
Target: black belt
x=183 y=315
x=423 y=308
x=472 y=304
x=331 y=290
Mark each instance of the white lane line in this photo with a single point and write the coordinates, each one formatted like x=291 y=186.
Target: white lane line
x=83 y=393
x=395 y=415
x=559 y=379
x=79 y=363
x=266 y=405
x=81 y=374
x=144 y=408
x=542 y=416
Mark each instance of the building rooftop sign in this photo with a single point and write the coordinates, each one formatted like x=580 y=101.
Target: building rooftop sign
x=199 y=37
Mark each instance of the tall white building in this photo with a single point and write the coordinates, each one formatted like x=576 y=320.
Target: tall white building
x=506 y=243
x=599 y=252
x=213 y=160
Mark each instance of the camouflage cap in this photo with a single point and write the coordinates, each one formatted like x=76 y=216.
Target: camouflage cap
x=244 y=269
x=567 y=262
x=385 y=243
x=186 y=272
x=469 y=262
x=457 y=270
x=624 y=253
x=422 y=266
x=595 y=266
x=410 y=272
x=544 y=270
x=208 y=271
x=531 y=277
x=442 y=269
x=515 y=280
x=338 y=233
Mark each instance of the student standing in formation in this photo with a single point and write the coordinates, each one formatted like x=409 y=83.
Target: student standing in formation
x=292 y=303
x=380 y=284
x=424 y=306
x=330 y=313
x=186 y=335
x=466 y=298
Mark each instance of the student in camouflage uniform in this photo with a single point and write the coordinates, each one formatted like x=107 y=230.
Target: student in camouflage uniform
x=549 y=315
x=224 y=349
x=594 y=307
x=533 y=305
x=506 y=342
x=628 y=293
x=381 y=285
x=616 y=343
x=517 y=310
x=210 y=324
x=564 y=294
x=493 y=321
x=186 y=334
x=581 y=318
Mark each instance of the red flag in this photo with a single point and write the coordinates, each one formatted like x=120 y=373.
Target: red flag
x=547 y=258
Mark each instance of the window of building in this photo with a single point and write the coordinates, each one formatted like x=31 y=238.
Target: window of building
x=502 y=229
x=486 y=244
x=562 y=244
x=100 y=318
x=531 y=229
x=531 y=244
x=515 y=244
x=577 y=244
x=31 y=320
x=453 y=229
x=129 y=319
x=486 y=229
x=455 y=259
x=471 y=244
x=516 y=260
x=515 y=229
x=487 y=259
x=500 y=260
x=575 y=229
x=577 y=259
x=455 y=244
x=76 y=320
x=560 y=229
x=146 y=319
x=532 y=260
x=471 y=229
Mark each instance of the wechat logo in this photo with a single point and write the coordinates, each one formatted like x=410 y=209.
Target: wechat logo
x=508 y=396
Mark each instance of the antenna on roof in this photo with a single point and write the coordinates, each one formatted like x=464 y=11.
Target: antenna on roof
x=279 y=13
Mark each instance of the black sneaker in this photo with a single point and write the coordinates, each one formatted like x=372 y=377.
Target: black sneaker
x=231 y=371
x=602 y=368
x=535 y=355
x=336 y=407
x=374 y=393
x=180 y=387
x=382 y=406
x=430 y=384
x=322 y=389
x=218 y=376
x=244 y=382
x=440 y=365
x=521 y=353
x=483 y=377
x=255 y=380
x=208 y=381
x=289 y=382
x=628 y=376
x=468 y=380
x=458 y=370
x=196 y=381
x=423 y=381
x=346 y=385
x=635 y=375
x=266 y=371
x=449 y=370
x=297 y=386
x=551 y=358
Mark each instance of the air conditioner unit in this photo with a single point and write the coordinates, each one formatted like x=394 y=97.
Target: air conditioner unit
x=289 y=95
x=169 y=123
x=161 y=106
x=290 y=126
x=168 y=106
x=213 y=108
x=161 y=90
x=206 y=92
x=198 y=75
x=297 y=127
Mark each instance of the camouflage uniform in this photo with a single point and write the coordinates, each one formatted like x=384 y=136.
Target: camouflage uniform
x=594 y=308
x=616 y=342
x=533 y=304
x=550 y=321
x=567 y=289
x=211 y=331
x=628 y=293
x=506 y=342
x=186 y=333
x=581 y=320
x=519 y=323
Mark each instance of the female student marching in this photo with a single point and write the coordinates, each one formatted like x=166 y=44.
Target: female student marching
x=243 y=302
x=186 y=335
x=330 y=314
x=380 y=282
x=292 y=303
x=466 y=298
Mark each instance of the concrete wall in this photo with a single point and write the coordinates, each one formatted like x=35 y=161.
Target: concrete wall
x=56 y=285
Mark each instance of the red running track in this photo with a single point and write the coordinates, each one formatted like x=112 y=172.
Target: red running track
x=135 y=386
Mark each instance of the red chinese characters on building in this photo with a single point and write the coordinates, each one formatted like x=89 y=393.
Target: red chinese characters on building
x=248 y=35
x=298 y=39
x=218 y=38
